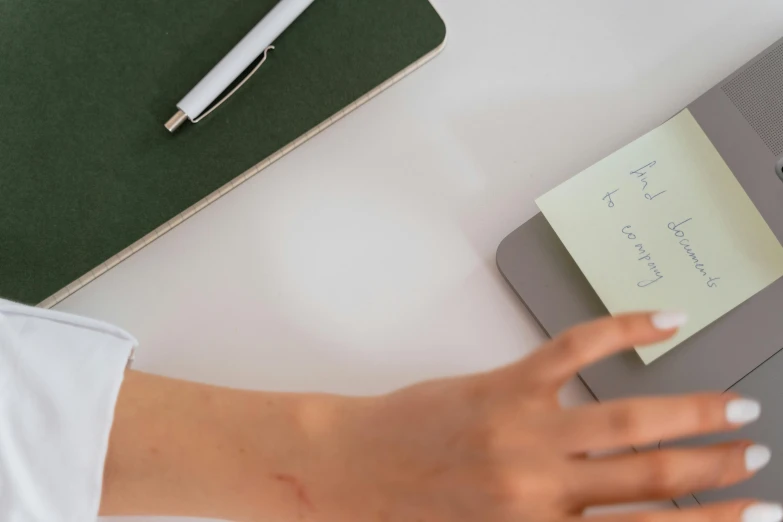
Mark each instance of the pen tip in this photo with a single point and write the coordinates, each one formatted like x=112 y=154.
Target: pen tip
x=176 y=121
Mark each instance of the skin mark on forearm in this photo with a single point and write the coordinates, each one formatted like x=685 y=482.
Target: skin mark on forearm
x=299 y=490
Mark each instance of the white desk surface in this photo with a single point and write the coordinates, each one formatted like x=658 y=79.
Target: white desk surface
x=365 y=260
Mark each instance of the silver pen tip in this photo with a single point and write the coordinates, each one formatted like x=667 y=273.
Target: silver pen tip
x=176 y=121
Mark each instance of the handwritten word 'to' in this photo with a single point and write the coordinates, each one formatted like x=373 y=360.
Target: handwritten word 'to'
x=608 y=196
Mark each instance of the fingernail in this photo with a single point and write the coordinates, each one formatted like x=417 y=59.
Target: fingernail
x=756 y=457
x=763 y=513
x=669 y=320
x=743 y=411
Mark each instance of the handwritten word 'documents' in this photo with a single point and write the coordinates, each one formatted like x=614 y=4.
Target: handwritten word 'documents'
x=685 y=243
x=644 y=257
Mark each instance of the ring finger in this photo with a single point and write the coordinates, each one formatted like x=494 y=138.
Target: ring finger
x=665 y=474
x=739 y=511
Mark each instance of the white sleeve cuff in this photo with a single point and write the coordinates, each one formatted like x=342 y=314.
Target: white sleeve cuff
x=60 y=376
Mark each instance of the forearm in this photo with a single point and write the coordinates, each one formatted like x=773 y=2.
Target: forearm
x=186 y=449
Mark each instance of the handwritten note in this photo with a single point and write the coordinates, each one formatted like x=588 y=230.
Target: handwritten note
x=663 y=224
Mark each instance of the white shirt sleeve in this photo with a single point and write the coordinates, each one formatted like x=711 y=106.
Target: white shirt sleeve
x=60 y=376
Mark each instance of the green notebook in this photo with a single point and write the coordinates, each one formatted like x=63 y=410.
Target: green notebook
x=88 y=173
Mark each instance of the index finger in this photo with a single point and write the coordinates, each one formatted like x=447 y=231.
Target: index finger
x=562 y=358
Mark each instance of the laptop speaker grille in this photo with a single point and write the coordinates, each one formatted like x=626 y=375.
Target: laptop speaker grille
x=757 y=92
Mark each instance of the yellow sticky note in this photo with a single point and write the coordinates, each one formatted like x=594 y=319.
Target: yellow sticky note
x=663 y=224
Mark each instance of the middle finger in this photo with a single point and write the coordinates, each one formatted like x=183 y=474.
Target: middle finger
x=638 y=422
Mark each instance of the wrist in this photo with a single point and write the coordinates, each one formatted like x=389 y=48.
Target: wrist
x=186 y=449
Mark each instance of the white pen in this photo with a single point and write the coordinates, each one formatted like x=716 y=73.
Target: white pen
x=257 y=42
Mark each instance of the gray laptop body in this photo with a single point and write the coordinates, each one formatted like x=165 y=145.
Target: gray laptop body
x=743 y=117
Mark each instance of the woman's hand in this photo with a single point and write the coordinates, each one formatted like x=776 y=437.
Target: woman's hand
x=494 y=447
x=497 y=447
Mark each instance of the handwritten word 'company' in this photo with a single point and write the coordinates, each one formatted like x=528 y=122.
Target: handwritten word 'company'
x=644 y=257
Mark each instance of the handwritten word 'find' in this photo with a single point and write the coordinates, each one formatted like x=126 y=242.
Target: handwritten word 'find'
x=642 y=175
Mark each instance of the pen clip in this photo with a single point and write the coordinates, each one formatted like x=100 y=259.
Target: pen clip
x=235 y=89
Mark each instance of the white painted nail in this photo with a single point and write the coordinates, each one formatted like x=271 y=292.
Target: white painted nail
x=743 y=411
x=669 y=320
x=763 y=513
x=756 y=457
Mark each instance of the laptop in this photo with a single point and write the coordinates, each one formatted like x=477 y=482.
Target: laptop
x=743 y=117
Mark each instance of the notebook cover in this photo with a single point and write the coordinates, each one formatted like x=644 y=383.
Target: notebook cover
x=88 y=173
